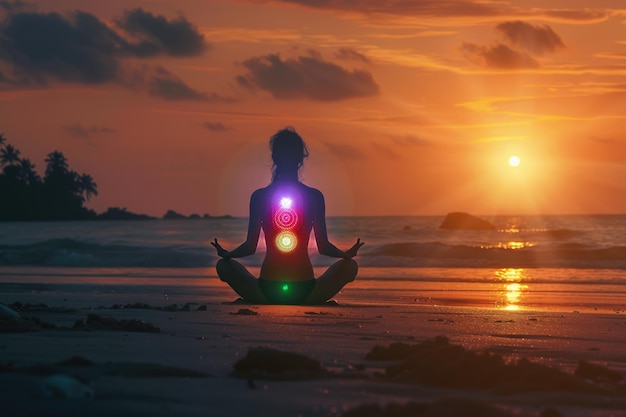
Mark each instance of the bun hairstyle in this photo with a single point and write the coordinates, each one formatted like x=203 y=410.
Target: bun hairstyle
x=288 y=153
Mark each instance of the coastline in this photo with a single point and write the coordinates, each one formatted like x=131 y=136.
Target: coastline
x=207 y=333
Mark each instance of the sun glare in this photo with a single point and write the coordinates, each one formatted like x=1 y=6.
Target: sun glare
x=514 y=161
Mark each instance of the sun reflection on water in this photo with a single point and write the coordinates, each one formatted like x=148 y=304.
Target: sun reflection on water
x=511 y=295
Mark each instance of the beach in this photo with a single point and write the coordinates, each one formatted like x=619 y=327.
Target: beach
x=182 y=359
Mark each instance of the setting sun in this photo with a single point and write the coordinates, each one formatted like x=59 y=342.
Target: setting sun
x=514 y=161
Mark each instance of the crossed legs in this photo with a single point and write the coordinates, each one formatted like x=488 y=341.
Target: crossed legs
x=327 y=285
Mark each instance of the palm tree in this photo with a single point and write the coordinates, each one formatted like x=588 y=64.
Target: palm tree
x=57 y=162
x=27 y=172
x=9 y=155
x=87 y=186
x=3 y=139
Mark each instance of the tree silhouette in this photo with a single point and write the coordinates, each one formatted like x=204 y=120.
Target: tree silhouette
x=27 y=172
x=56 y=163
x=87 y=186
x=3 y=139
x=9 y=155
x=58 y=196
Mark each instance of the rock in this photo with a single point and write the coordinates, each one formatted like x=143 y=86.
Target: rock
x=120 y=213
x=172 y=215
x=465 y=221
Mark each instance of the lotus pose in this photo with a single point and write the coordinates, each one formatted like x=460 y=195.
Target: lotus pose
x=287 y=211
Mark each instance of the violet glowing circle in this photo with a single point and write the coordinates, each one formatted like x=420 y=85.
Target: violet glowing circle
x=286 y=241
x=286 y=218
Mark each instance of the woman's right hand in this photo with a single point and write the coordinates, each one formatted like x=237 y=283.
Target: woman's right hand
x=220 y=250
x=355 y=248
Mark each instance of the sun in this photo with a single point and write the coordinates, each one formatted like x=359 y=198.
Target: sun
x=514 y=161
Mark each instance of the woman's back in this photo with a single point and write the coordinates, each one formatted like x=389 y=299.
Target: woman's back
x=288 y=212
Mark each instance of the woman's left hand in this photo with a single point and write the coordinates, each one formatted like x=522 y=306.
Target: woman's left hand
x=220 y=250
x=355 y=248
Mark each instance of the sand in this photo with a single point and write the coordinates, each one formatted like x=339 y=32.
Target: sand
x=133 y=354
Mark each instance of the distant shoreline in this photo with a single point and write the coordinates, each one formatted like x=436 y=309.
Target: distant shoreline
x=115 y=213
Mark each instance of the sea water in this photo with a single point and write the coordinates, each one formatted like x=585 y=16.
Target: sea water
x=568 y=262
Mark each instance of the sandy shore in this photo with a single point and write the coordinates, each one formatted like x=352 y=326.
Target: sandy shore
x=182 y=361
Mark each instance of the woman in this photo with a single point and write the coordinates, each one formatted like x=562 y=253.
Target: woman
x=287 y=211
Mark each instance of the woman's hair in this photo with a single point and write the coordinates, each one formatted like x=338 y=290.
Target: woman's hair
x=288 y=152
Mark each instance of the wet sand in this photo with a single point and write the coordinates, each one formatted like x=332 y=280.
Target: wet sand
x=188 y=366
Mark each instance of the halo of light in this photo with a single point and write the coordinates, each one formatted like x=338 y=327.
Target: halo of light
x=286 y=241
x=286 y=218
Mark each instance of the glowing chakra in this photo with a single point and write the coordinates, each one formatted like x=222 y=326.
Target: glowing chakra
x=286 y=241
x=285 y=218
x=286 y=202
x=285 y=287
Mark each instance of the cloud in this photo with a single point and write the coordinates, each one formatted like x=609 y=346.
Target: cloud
x=351 y=54
x=79 y=48
x=13 y=6
x=40 y=45
x=409 y=140
x=84 y=132
x=159 y=82
x=217 y=127
x=404 y=8
x=175 y=37
x=345 y=151
x=399 y=143
x=466 y=12
x=525 y=42
x=385 y=151
x=306 y=77
x=536 y=39
x=580 y=16
x=498 y=56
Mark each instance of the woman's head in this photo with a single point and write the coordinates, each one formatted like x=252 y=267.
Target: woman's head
x=288 y=153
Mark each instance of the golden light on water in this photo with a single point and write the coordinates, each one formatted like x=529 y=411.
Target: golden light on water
x=512 y=294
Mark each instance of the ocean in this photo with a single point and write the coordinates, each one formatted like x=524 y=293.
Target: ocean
x=566 y=263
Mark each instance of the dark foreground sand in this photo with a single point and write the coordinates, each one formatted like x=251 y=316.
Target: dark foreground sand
x=82 y=354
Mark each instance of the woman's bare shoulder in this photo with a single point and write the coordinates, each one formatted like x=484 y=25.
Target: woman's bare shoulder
x=313 y=194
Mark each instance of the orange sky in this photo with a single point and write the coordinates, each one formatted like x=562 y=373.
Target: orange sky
x=408 y=107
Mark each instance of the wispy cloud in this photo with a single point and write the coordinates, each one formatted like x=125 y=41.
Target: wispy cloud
x=80 y=131
x=497 y=56
x=351 y=54
x=399 y=13
x=217 y=127
x=345 y=151
x=249 y=35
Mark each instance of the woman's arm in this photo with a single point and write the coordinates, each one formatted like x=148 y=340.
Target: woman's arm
x=254 y=230
x=324 y=246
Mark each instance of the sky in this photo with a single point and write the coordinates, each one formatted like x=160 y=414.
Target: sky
x=408 y=107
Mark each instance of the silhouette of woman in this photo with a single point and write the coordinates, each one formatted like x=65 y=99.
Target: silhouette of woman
x=287 y=211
